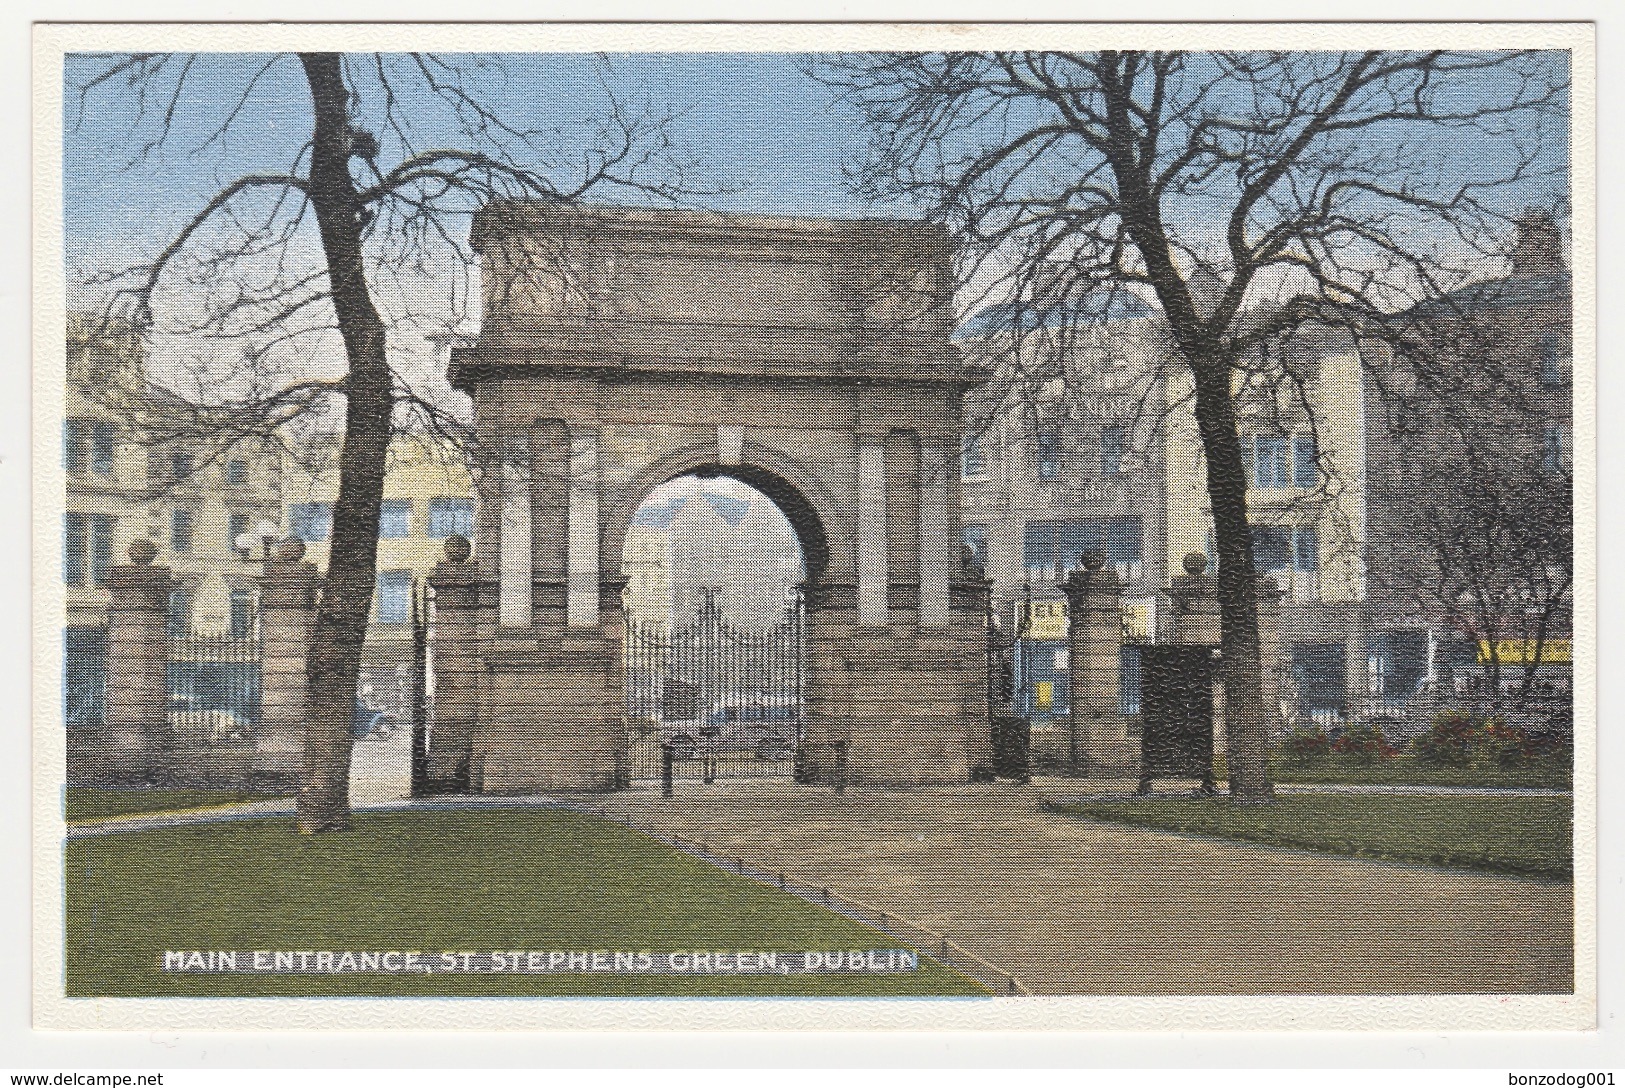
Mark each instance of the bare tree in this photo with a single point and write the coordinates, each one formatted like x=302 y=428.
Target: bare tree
x=1245 y=192
x=304 y=271
x=1471 y=470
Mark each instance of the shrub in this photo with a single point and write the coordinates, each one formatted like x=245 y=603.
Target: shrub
x=1449 y=740
x=1458 y=739
x=1364 y=741
x=1306 y=744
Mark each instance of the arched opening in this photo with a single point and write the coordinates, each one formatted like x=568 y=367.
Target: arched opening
x=714 y=655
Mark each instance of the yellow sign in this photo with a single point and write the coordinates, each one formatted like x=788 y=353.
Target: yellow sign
x=1046 y=620
x=1521 y=651
x=1044 y=694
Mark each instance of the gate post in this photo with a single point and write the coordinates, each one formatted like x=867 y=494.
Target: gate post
x=139 y=741
x=456 y=620
x=1100 y=744
x=1195 y=622
x=287 y=620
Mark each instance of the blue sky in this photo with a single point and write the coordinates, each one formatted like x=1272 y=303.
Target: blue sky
x=753 y=120
x=756 y=123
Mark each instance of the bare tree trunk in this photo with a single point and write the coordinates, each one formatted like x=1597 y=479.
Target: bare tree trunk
x=341 y=620
x=1246 y=723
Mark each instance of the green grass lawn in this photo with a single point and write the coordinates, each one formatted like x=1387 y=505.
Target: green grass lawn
x=84 y=803
x=1407 y=770
x=1526 y=836
x=439 y=881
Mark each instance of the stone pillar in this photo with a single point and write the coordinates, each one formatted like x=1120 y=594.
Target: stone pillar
x=873 y=608
x=514 y=547
x=138 y=740
x=1269 y=653
x=1194 y=621
x=1100 y=744
x=287 y=622
x=1194 y=617
x=455 y=582
x=1195 y=600
x=582 y=588
x=939 y=552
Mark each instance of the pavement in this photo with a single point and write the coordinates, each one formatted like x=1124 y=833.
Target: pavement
x=1070 y=906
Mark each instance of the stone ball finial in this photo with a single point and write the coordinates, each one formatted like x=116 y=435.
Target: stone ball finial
x=143 y=552
x=291 y=550
x=1093 y=560
x=458 y=549
x=1195 y=564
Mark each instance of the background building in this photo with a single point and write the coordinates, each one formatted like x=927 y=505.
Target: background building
x=696 y=540
x=1300 y=414
x=1063 y=453
x=1471 y=530
x=428 y=496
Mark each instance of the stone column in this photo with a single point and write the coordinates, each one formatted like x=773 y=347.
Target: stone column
x=1194 y=621
x=1100 y=744
x=138 y=740
x=582 y=589
x=287 y=621
x=873 y=607
x=1194 y=595
x=514 y=547
x=455 y=582
x=939 y=552
x=1269 y=653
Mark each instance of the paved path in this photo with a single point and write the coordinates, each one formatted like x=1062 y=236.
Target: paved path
x=1070 y=906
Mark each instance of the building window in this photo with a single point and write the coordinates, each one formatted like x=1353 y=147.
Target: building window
x=1113 y=445
x=1553 y=370
x=449 y=516
x=73 y=444
x=1052 y=548
x=1272 y=548
x=1552 y=457
x=974 y=540
x=236 y=526
x=180 y=532
x=180 y=613
x=1306 y=549
x=242 y=613
x=92 y=441
x=87 y=547
x=1048 y=453
x=1305 y=461
x=394 y=596
x=1269 y=461
x=236 y=473
x=395 y=519
x=310 y=520
x=972 y=457
x=1291 y=555
x=181 y=464
x=1128 y=680
x=103 y=442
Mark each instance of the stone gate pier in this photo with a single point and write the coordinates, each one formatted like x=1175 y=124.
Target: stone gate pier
x=808 y=358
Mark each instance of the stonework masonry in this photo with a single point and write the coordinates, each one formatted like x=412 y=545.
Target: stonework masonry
x=810 y=359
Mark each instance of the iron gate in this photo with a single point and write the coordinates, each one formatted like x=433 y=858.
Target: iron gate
x=214 y=688
x=728 y=701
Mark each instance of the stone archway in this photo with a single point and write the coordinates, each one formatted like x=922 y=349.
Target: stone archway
x=621 y=348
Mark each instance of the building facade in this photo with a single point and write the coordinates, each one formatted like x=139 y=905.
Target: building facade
x=1470 y=425
x=428 y=496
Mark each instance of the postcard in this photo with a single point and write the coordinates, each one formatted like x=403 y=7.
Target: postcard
x=1038 y=526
